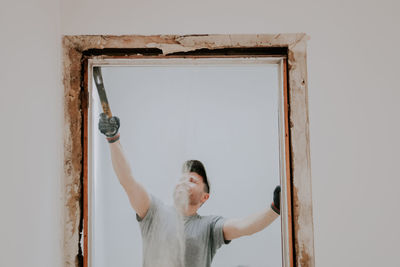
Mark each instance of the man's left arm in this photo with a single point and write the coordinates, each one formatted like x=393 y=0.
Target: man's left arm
x=235 y=228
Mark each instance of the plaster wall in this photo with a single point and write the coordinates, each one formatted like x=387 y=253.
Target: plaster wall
x=31 y=106
x=353 y=93
x=352 y=100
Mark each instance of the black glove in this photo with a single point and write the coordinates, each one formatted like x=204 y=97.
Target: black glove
x=109 y=127
x=276 y=205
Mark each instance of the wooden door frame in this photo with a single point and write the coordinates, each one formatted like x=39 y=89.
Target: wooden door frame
x=77 y=50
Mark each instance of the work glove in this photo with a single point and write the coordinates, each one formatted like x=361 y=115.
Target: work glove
x=109 y=127
x=276 y=204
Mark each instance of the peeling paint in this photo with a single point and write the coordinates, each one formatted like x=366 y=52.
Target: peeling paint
x=73 y=48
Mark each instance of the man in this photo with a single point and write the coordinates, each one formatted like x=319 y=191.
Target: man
x=179 y=236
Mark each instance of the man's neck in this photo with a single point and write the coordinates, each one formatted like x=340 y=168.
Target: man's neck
x=191 y=210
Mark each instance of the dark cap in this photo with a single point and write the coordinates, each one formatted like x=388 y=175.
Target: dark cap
x=197 y=167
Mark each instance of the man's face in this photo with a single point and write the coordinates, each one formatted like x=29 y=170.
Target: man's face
x=194 y=184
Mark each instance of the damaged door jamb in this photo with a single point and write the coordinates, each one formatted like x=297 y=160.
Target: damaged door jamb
x=78 y=49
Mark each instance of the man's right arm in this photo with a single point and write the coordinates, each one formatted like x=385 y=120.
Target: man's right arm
x=137 y=194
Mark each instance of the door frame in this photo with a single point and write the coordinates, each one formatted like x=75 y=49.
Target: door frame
x=78 y=50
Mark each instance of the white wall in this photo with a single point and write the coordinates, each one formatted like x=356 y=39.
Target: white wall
x=31 y=134
x=353 y=94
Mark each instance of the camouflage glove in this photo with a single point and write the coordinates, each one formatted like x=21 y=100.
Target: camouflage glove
x=109 y=127
x=276 y=204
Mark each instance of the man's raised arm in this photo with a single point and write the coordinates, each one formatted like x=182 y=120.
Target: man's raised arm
x=235 y=228
x=137 y=194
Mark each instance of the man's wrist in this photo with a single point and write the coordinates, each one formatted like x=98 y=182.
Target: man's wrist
x=113 y=139
x=274 y=208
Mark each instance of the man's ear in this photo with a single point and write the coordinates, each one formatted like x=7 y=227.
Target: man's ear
x=205 y=197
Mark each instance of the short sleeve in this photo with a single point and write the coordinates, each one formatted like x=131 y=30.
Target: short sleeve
x=217 y=225
x=146 y=222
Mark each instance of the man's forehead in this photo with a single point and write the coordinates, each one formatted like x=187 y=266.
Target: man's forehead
x=192 y=175
x=195 y=174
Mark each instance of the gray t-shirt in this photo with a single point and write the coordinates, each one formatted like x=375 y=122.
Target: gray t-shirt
x=170 y=240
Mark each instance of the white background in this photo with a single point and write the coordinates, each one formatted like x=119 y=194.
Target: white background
x=353 y=106
x=224 y=115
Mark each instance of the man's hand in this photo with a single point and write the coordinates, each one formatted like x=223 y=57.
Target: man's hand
x=276 y=204
x=109 y=127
